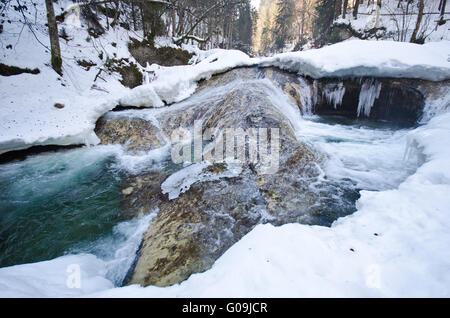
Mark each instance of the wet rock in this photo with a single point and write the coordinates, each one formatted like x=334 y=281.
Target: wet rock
x=191 y=231
x=136 y=134
x=142 y=193
x=217 y=208
x=401 y=101
x=145 y=53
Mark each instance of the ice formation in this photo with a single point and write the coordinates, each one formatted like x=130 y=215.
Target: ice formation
x=370 y=90
x=334 y=93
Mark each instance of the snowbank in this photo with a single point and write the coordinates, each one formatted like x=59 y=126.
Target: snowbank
x=176 y=83
x=53 y=278
x=396 y=245
x=30 y=118
x=355 y=58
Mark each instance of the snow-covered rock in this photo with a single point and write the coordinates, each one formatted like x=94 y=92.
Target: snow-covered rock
x=395 y=245
x=357 y=58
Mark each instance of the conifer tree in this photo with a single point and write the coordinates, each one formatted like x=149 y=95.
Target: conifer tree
x=283 y=23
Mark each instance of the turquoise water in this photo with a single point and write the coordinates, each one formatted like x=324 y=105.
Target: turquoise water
x=51 y=202
x=64 y=202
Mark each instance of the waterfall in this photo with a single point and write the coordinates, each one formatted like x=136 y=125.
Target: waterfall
x=334 y=93
x=370 y=90
x=436 y=104
x=308 y=95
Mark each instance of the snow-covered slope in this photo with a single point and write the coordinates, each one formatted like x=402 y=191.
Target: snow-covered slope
x=398 y=18
x=29 y=117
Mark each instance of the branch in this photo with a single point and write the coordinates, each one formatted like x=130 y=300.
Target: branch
x=190 y=37
x=187 y=35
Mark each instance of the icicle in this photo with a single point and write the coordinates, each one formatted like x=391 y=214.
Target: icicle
x=370 y=90
x=146 y=74
x=308 y=95
x=334 y=93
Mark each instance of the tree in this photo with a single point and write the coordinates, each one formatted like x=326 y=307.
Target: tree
x=56 y=59
x=355 y=9
x=344 y=10
x=284 y=21
x=442 y=4
x=242 y=31
x=418 y=21
x=322 y=25
x=377 y=21
x=267 y=21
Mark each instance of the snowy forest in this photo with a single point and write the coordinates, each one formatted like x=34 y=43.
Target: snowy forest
x=224 y=148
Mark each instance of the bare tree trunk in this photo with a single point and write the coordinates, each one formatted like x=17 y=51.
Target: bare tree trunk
x=107 y=19
x=174 y=22
x=54 y=38
x=355 y=9
x=116 y=15
x=344 y=9
x=144 y=25
x=133 y=15
x=419 y=20
x=377 y=21
x=230 y=31
x=442 y=7
x=337 y=8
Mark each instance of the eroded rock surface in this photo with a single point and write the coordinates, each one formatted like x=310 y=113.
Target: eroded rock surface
x=218 y=206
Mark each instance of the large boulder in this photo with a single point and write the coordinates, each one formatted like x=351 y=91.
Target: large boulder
x=223 y=201
x=204 y=208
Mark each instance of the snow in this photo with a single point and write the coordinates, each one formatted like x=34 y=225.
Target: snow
x=357 y=58
x=181 y=181
x=395 y=245
x=397 y=24
x=28 y=113
x=50 y=278
x=30 y=118
x=176 y=83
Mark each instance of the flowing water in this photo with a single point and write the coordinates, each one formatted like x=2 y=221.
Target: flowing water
x=69 y=201
x=66 y=202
